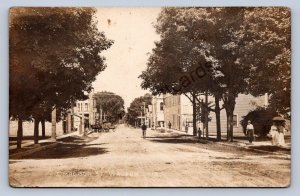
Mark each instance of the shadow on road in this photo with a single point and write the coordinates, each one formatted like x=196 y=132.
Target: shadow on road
x=177 y=139
x=270 y=148
x=169 y=136
x=70 y=147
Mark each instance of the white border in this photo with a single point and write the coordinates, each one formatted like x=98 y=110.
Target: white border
x=6 y=190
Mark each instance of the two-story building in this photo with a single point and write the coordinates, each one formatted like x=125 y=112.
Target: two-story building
x=85 y=112
x=179 y=112
x=157 y=116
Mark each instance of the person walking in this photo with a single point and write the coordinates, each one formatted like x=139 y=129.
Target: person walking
x=144 y=128
x=273 y=133
x=250 y=132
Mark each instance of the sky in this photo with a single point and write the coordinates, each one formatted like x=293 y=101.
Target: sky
x=134 y=34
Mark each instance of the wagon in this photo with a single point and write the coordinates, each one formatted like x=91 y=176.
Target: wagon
x=96 y=127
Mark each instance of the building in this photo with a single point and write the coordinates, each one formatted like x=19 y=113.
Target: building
x=244 y=104
x=179 y=112
x=85 y=113
x=156 y=110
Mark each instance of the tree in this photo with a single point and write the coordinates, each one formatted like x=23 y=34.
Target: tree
x=136 y=108
x=227 y=40
x=180 y=62
x=112 y=105
x=269 y=32
x=57 y=52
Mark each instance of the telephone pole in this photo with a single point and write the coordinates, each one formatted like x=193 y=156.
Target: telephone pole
x=53 y=121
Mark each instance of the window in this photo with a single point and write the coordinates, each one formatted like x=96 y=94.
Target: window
x=78 y=106
x=235 y=120
x=86 y=106
x=161 y=106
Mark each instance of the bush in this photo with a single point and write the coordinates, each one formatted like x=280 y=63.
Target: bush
x=261 y=119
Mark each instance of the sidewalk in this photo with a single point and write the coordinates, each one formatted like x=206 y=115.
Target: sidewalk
x=242 y=142
x=44 y=140
x=30 y=147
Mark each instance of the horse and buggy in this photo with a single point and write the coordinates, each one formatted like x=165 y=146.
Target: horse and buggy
x=104 y=127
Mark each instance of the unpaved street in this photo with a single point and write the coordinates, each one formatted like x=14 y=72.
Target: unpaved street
x=122 y=158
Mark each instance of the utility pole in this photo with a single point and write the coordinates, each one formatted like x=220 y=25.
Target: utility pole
x=144 y=112
x=81 y=124
x=69 y=121
x=53 y=121
x=206 y=113
x=101 y=118
x=194 y=116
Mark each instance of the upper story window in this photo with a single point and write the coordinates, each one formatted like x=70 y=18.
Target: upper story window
x=86 y=107
x=161 y=106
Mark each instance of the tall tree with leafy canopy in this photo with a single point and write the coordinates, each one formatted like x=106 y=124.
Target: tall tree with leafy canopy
x=268 y=50
x=112 y=105
x=54 y=57
x=228 y=41
x=243 y=45
x=181 y=63
x=136 y=108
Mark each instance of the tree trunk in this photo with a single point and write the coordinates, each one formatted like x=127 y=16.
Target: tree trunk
x=194 y=116
x=229 y=114
x=19 y=133
x=36 y=130
x=218 y=119
x=231 y=126
x=228 y=124
x=80 y=125
x=43 y=128
x=53 y=121
x=229 y=105
x=69 y=122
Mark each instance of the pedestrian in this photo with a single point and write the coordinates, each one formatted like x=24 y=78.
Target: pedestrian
x=199 y=132
x=186 y=128
x=250 y=132
x=273 y=133
x=169 y=124
x=144 y=128
x=281 y=131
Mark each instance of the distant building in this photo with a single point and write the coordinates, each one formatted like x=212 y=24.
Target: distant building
x=85 y=112
x=178 y=111
x=157 y=118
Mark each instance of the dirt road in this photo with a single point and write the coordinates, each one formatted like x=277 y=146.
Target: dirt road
x=122 y=158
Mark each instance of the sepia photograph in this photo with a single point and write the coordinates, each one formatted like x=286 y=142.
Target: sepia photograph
x=149 y=97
